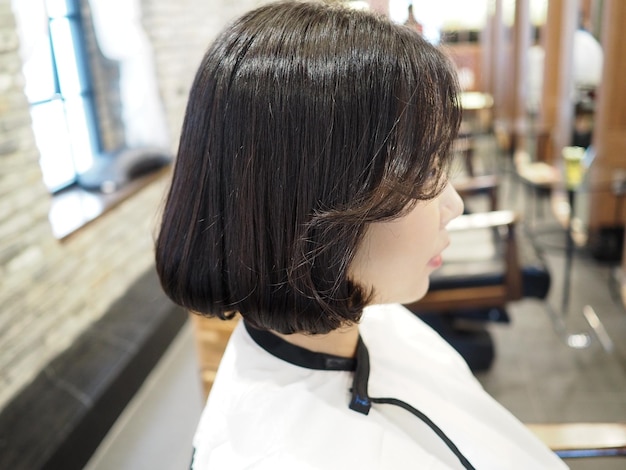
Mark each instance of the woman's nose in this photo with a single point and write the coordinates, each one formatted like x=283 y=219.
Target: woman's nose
x=451 y=205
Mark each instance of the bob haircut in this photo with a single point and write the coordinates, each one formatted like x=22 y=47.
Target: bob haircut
x=305 y=123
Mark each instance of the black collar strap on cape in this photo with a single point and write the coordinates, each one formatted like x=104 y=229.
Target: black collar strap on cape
x=296 y=355
x=360 y=402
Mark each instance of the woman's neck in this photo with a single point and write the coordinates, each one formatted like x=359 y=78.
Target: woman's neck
x=340 y=342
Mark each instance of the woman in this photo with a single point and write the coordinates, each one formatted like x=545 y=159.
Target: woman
x=310 y=197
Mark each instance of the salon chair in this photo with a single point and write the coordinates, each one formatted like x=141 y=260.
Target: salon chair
x=583 y=440
x=483 y=185
x=468 y=183
x=487 y=266
x=211 y=337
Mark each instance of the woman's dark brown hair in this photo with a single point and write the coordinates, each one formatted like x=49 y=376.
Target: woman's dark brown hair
x=304 y=124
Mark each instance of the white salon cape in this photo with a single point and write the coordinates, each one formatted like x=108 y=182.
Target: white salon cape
x=265 y=413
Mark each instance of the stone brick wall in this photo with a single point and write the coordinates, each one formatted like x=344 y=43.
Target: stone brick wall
x=180 y=33
x=50 y=291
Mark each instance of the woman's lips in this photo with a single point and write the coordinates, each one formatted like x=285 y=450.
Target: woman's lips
x=436 y=261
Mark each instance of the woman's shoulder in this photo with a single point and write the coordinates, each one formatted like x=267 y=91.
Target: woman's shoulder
x=258 y=417
x=302 y=433
x=393 y=329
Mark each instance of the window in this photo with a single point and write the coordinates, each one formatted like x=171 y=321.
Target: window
x=58 y=88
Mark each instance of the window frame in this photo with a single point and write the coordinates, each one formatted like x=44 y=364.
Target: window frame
x=59 y=12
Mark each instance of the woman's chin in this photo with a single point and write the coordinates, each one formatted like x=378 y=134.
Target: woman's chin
x=407 y=297
x=419 y=294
